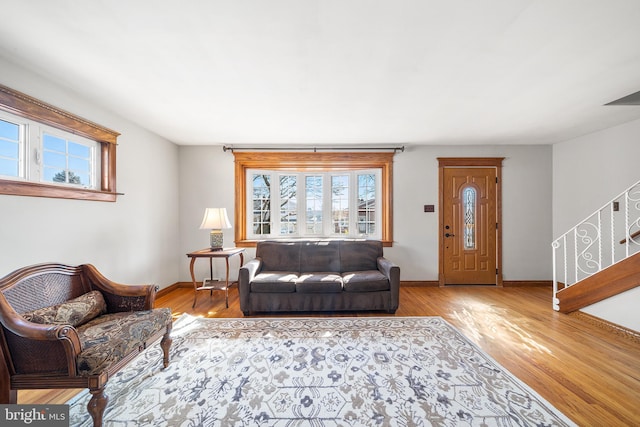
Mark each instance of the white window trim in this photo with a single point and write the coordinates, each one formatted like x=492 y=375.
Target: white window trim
x=94 y=148
x=31 y=152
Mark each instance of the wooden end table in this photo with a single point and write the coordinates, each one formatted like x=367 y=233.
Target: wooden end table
x=210 y=285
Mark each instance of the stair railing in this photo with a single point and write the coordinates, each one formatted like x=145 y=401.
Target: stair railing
x=609 y=235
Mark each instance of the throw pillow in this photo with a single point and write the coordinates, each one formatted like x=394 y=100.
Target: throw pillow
x=74 y=312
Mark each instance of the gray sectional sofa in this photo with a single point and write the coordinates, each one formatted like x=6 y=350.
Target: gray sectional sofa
x=309 y=276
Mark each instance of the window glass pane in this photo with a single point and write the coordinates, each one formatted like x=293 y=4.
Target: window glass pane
x=340 y=204
x=66 y=161
x=53 y=143
x=366 y=203
x=79 y=165
x=288 y=204
x=9 y=131
x=469 y=207
x=261 y=203
x=9 y=149
x=313 y=194
x=8 y=167
x=79 y=150
x=53 y=159
x=55 y=175
x=79 y=178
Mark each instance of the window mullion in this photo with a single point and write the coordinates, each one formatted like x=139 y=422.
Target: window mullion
x=33 y=153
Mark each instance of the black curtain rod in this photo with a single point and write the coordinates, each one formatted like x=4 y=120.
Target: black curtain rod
x=314 y=149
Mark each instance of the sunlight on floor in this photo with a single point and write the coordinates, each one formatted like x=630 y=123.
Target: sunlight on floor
x=476 y=318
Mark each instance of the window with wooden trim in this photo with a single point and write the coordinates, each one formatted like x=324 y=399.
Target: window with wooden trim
x=313 y=195
x=289 y=204
x=48 y=152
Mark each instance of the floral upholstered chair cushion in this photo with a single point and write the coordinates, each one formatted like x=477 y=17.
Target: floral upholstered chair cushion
x=74 y=312
x=108 y=339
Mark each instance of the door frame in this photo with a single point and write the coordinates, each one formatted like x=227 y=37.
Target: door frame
x=467 y=162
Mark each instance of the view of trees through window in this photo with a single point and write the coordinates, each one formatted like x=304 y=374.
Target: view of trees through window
x=66 y=161
x=57 y=159
x=333 y=204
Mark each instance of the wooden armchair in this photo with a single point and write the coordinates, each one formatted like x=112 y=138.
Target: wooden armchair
x=58 y=332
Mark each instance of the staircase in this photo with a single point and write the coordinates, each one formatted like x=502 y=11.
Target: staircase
x=599 y=257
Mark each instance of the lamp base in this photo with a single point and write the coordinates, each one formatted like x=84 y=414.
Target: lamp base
x=216 y=240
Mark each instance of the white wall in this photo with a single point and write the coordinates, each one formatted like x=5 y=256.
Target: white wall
x=206 y=181
x=526 y=201
x=588 y=172
x=134 y=240
x=207 y=174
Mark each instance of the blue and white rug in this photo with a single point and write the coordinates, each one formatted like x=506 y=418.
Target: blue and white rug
x=368 y=371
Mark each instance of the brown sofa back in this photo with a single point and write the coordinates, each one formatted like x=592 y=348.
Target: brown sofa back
x=360 y=255
x=279 y=256
x=309 y=256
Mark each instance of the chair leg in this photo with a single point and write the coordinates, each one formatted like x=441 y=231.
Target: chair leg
x=8 y=396
x=165 y=344
x=97 y=405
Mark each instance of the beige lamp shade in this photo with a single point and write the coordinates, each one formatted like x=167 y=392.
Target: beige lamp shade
x=216 y=220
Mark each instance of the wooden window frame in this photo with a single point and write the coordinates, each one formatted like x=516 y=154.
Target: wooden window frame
x=324 y=162
x=23 y=105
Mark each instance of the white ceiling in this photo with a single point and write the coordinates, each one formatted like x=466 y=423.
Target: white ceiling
x=339 y=71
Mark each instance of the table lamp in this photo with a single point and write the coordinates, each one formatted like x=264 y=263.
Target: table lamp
x=215 y=219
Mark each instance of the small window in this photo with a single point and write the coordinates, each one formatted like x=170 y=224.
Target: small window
x=33 y=152
x=469 y=207
x=47 y=152
x=65 y=161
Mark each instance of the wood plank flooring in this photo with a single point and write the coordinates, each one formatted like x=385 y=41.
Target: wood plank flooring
x=588 y=373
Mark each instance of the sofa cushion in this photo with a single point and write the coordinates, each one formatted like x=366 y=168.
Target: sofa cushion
x=365 y=281
x=319 y=282
x=274 y=281
x=320 y=256
x=109 y=338
x=279 y=256
x=360 y=255
x=75 y=312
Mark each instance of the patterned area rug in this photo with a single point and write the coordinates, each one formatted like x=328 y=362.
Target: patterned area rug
x=385 y=371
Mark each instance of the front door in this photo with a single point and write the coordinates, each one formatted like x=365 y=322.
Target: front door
x=469 y=223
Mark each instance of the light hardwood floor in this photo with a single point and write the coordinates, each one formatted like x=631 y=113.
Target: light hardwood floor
x=589 y=373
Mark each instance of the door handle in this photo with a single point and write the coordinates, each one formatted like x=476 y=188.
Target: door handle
x=448 y=235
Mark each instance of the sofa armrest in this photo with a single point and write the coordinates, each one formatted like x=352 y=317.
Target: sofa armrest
x=245 y=276
x=392 y=272
x=41 y=340
x=120 y=297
